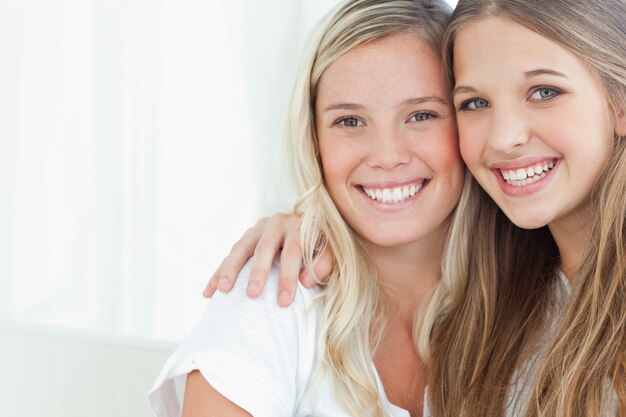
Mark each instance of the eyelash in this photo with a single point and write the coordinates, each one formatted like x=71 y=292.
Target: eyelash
x=342 y=122
x=555 y=91
x=464 y=105
x=430 y=116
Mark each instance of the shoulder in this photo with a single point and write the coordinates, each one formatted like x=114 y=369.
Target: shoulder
x=268 y=297
x=252 y=351
x=240 y=320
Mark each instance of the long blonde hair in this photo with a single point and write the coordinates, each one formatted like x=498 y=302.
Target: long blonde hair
x=511 y=283
x=351 y=298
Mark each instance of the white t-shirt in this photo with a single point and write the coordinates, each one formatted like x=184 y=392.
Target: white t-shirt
x=258 y=355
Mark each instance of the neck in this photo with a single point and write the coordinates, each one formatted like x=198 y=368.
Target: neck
x=408 y=273
x=571 y=235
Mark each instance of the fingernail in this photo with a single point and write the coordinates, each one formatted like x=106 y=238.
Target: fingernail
x=284 y=298
x=253 y=288
x=222 y=285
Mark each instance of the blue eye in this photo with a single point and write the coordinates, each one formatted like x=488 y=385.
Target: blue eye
x=544 y=93
x=474 y=104
x=422 y=116
x=349 y=122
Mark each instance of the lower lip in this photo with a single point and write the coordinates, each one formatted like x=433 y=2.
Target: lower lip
x=388 y=207
x=525 y=189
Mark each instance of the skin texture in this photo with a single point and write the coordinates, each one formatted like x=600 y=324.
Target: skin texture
x=540 y=104
x=380 y=126
x=383 y=121
x=440 y=168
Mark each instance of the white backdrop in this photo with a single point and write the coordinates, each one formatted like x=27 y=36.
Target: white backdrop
x=137 y=142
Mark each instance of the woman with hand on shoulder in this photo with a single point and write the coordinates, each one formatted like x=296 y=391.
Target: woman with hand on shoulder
x=540 y=97
x=372 y=144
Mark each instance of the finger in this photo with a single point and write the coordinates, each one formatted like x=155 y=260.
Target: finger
x=238 y=256
x=211 y=286
x=290 y=264
x=322 y=268
x=266 y=249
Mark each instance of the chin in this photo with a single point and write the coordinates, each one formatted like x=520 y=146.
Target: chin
x=526 y=221
x=391 y=241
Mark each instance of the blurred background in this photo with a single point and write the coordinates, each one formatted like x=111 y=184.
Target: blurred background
x=138 y=140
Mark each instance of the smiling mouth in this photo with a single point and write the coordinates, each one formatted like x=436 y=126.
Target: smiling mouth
x=527 y=175
x=395 y=194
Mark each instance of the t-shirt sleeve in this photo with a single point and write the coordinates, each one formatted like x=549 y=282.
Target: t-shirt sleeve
x=248 y=350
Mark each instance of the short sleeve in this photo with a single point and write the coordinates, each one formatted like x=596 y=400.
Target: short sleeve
x=251 y=351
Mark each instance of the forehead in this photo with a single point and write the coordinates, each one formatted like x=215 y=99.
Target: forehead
x=402 y=60
x=479 y=44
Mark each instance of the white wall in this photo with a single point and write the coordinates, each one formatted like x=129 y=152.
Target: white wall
x=117 y=198
x=54 y=372
x=137 y=143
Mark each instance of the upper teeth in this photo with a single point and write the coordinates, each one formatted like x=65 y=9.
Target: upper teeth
x=520 y=174
x=393 y=195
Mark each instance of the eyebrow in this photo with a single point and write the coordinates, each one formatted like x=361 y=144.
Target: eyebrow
x=543 y=71
x=344 y=106
x=463 y=89
x=410 y=101
x=427 y=99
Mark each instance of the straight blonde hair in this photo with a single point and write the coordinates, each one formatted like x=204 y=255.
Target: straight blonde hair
x=351 y=298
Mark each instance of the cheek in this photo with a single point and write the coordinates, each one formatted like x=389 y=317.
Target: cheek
x=585 y=141
x=446 y=158
x=337 y=162
x=445 y=145
x=470 y=144
x=467 y=151
x=450 y=154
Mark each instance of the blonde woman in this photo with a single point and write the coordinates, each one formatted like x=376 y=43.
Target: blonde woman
x=372 y=143
x=540 y=96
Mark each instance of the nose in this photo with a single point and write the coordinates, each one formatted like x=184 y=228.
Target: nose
x=388 y=149
x=509 y=130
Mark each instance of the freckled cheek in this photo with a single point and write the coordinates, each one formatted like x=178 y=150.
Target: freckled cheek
x=446 y=148
x=445 y=159
x=337 y=164
x=450 y=149
x=332 y=171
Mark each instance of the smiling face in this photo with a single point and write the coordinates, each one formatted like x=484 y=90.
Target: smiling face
x=387 y=141
x=534 y=124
